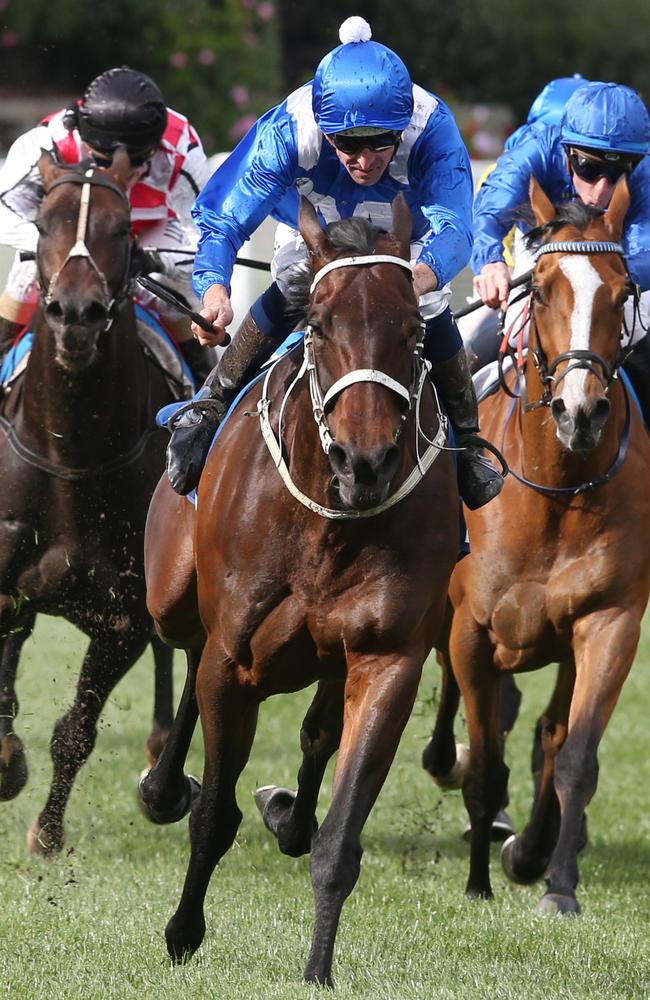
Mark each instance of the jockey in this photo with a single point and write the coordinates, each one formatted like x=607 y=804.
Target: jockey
x=350 y=140
x=480 y=328
x=120 y=107
x=604 y=133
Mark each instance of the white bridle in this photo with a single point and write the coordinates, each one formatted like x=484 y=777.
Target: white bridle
x=412 y=396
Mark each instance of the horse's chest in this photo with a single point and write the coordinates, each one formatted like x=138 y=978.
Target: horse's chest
x=531 y=618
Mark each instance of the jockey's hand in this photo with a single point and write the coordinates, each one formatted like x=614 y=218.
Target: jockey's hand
x=493 y=284
x=218 y=312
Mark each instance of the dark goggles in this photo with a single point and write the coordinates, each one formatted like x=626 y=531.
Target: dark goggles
x=590 y=169
x=104 y=158
x=378 y=143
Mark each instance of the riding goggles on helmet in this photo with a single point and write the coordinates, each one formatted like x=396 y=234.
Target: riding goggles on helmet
x=379 y=142
x=590 y=169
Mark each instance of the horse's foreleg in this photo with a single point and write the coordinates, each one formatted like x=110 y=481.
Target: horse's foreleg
x=13 y=766
x=604 y=650
x=379 y=696
x=442 y=758
x=166 y=792
x=525 y=857
x=228 y=718
x=486 y=782
x=291 y=816
x=163 y=704
x=106 y=661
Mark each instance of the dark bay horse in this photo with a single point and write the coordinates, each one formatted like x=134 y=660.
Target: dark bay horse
x=80 y=457
x=308 y=569
x=560 y=565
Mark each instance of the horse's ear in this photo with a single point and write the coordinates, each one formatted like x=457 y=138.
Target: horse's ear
x=48 y=167
x=542 y=206
x=617 y=209
x=311 y=230
x=402 y=222
x=120 y=166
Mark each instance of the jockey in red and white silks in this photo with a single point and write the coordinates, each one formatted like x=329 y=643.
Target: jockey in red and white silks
x=161 y=198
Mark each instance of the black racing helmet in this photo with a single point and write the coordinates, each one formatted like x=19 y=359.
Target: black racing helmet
x=121 y=107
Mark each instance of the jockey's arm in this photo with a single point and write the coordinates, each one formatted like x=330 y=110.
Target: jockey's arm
x=21 y=189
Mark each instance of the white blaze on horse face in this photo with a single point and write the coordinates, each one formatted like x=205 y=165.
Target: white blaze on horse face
x=584 y=280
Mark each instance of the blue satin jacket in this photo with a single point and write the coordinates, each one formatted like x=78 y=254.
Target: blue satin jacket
x=285 y=155
x=503 y=200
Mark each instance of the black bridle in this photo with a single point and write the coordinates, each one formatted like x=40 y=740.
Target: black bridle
x=577 y=359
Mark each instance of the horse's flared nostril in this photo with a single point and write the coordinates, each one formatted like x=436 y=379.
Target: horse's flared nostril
x=600 y=413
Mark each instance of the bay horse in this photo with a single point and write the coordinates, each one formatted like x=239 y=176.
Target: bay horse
x=80 y=456
x=310 y=564
x=559 y=570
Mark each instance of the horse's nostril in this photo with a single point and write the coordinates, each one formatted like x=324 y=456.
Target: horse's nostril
x=388 y=462
x=54 y=311
x=93 y=313
x=600 y=412
x=558 y=407
x=339 y=459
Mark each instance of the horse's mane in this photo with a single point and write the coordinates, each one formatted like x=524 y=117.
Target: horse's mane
x=351 y=236
x=568 y=213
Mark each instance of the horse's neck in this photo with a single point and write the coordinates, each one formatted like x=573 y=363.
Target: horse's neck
x=98 y=411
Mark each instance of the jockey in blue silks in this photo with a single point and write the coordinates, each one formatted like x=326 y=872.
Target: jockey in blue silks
x=480 y=327
x=350 y=141
x=604 y=133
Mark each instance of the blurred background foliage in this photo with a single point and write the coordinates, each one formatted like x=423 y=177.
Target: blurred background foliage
x=223 y=62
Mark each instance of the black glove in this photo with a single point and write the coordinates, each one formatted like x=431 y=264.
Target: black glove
x=144 y=262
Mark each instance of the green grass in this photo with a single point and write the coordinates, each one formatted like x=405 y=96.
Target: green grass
x=90 y=924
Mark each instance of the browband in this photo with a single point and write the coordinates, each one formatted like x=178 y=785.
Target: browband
x=375 y=258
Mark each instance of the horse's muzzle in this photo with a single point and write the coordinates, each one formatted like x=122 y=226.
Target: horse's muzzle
x=580 y=429
x=363 y=478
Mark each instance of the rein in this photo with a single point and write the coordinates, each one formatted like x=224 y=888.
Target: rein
x=80 y=249
x=411 y=396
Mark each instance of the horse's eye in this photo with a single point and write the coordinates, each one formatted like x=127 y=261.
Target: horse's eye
x=317 y=331
x=537 y=295
x=121 y=233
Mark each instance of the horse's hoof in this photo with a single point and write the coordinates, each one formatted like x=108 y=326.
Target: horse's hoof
x=522 y=875
x=176 y=812
x=502 y=828
x=13 y=768
x=183 y=941
x=272 y=796
x=454 y=779
x=42 y=843
x=555 y=905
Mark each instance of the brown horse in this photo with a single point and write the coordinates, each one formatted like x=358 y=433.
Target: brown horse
x=80 y=457
x=560 y=563
x=310 y=570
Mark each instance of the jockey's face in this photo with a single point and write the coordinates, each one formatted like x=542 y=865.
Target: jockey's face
x=594 y=177
x=365 y=166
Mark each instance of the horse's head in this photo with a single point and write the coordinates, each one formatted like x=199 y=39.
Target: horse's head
x=83 y=253
x=578 y=294
x=363 y=327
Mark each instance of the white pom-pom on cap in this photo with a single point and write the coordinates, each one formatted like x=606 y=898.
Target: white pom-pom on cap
x=354 y=29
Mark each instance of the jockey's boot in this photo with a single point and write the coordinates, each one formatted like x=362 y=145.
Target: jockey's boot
x=478 y=480
x=200 y=360
x=8 y=333
x=194 y=425
x=637 y=368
